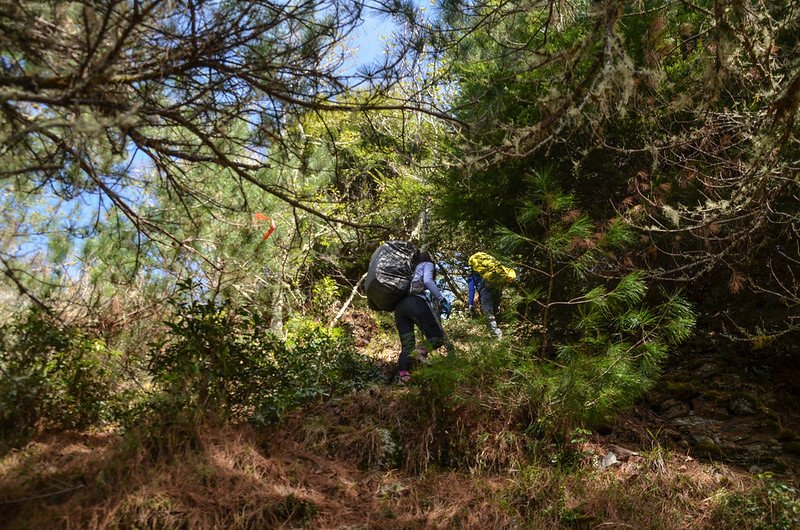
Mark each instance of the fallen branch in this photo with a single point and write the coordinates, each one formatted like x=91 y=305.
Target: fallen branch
x=348 y=302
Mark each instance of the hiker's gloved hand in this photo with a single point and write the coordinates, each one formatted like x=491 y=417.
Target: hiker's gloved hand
x=446 y=308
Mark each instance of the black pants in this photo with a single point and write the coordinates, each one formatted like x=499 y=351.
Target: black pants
x=415 y=310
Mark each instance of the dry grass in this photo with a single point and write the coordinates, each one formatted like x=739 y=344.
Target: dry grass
x=236 y=479
x=329 y=467
x=652 y=490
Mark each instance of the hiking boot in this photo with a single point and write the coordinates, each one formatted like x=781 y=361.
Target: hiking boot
x=420 y=354
x=404 y=377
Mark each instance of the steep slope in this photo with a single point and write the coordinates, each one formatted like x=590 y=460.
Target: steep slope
x=354 y=463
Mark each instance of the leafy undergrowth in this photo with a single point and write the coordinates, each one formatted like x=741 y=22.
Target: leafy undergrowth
x=349 y=463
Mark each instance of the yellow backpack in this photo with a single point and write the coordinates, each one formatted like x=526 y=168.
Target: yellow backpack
x=491 y=269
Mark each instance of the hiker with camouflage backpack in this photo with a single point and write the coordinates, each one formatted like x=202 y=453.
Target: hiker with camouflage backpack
x=414 y=309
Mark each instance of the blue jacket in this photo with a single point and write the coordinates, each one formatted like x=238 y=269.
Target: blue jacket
x=475 y=283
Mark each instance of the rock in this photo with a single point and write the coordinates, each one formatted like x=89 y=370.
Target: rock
x=620 y=452
x=755 y=470
x=702 y=439
x=697 y=404
x=695 y=423
x=609 y=460
x=741 y=407
x=728 y=382
x=707 y=370
x=673 y=408
x=717 y=413
x=756 y=447
x=386 y=453
x=781 y=465
x=656 y=399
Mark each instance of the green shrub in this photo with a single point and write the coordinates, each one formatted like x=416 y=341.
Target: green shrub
x=231 y=363
x=52 y=376
x=210 y=359
x=313 y=361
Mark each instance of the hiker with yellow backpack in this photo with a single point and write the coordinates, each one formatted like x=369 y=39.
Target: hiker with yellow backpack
x=487 y=279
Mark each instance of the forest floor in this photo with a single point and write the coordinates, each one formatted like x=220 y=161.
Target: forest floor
x=713 y=446
x=738 y=405
x=238 y=478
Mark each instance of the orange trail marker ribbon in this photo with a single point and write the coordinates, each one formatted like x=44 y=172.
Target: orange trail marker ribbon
x=261 y=217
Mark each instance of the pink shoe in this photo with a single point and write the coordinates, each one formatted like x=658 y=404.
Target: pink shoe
x=404 y=376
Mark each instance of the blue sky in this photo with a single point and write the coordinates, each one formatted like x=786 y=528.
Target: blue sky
x=368 y=37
